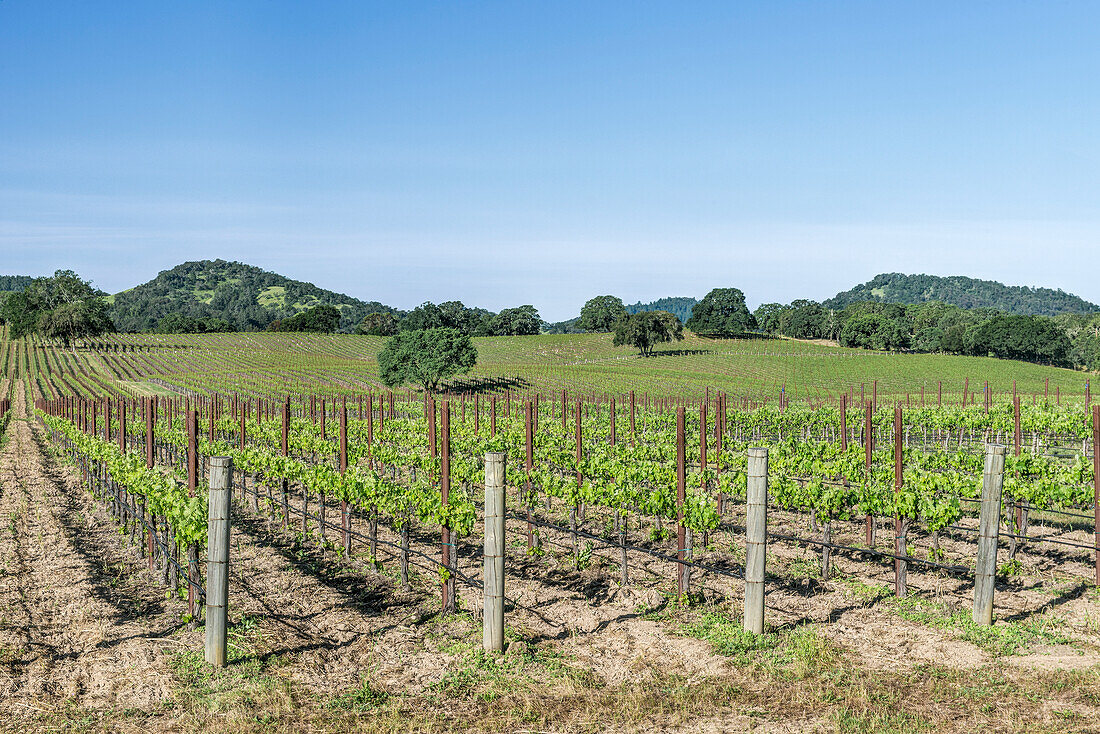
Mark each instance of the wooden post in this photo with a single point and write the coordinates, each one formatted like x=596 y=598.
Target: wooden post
x=631 y=417
x=901 y=524
x=284 y=482
x=449 y=556
x=150 y=418
x=703 y=453
x=843 y=423
x=529 y=465
x=612 y=408
x=344 y=524
x=719 y=437
x=493 y=575
x=370 y=421
x=430 y=406
x=683 y=576
x=756 y=538
x=1096 y=485
x=217 y=564
x=988 y=528
x=563 y=423
x=1016 y=434
x=192 y=453
x=869 y=447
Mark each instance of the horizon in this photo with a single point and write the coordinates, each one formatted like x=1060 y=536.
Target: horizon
x=501 y=155
x=627 y=302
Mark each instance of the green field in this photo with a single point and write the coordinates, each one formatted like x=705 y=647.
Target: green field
x=272 y=364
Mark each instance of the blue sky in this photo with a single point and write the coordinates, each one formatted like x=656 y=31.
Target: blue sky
x=508 y=153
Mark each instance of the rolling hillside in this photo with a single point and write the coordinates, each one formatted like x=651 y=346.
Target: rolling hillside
x=247 y=297
x=965 y=293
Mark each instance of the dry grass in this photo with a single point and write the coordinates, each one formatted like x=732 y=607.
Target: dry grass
x=796 y=680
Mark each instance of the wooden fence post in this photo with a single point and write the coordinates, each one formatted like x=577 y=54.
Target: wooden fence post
x=284 y=483
x=449 y=556
x=869 y=448
x=493 y=576
x=901 y=524
x=756 y=538
x=217 y=565
x=529 y=444
x=150 y=418
x=985 y=575
x=1096 y=485
x=683 y=537
x=345 y=524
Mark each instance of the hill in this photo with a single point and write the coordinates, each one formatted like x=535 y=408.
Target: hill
x=678 y=306
x=248 y=297
x=965 y=293
x=14 y=283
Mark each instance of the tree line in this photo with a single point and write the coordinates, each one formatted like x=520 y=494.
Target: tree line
x=1066 y=340
x=66 y=308
x=518 y=321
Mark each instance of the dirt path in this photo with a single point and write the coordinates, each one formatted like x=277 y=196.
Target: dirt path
x=73 y=624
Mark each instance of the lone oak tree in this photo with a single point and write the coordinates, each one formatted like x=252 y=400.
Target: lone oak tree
x=646 y=329
x=426 y=356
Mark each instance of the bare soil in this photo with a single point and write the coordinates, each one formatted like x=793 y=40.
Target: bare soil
x=76 y=625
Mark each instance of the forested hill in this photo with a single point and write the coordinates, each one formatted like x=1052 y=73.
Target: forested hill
x=14 y=283
x=680 y=307
x=965 y=293
x=247 y=297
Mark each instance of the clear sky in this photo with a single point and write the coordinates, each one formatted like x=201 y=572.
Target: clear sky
x=546 y=152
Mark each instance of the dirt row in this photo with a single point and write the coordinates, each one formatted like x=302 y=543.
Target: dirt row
x=75 y=624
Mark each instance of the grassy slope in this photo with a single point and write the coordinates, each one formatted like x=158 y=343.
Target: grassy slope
x=757 y=367
x=589 y=362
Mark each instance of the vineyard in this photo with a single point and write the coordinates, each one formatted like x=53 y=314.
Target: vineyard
x=630 y=529
x=268 y=365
